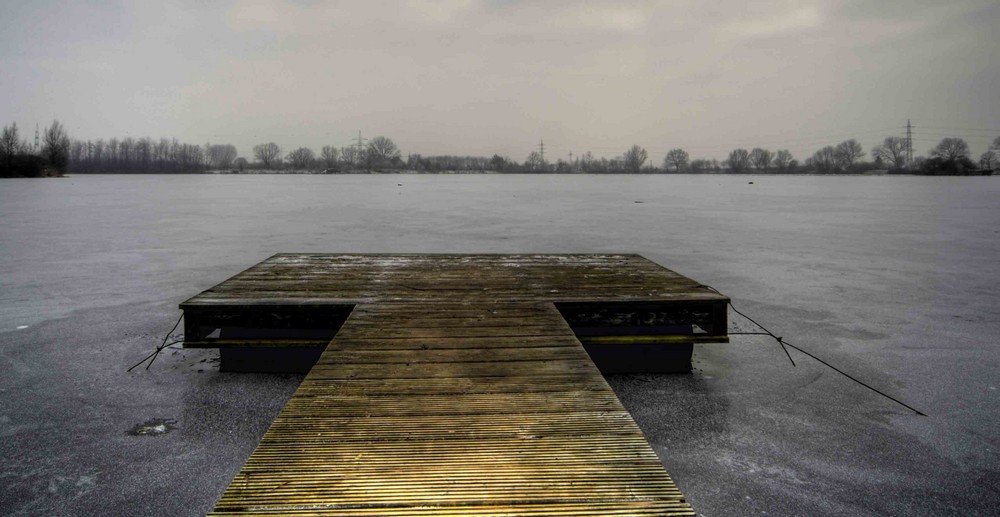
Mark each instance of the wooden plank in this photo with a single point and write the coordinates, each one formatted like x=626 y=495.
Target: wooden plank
x=450 y=427
x=455 y=387
x=361 y=279
x=425 y=343
x=496 y=431
x=468 y=370
x=445 y=385
x=342 y=355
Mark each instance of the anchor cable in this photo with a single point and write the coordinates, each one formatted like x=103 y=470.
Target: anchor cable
x=155 y=353
x=781 y=341
x=766 y=332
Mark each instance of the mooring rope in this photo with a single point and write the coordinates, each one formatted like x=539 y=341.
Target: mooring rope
x=780 y=340
x=784 y=344
x=155 y=353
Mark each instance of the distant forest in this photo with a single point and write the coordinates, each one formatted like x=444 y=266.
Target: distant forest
x=54 y=153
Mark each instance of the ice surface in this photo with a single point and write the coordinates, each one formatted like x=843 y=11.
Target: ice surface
x=892 y=278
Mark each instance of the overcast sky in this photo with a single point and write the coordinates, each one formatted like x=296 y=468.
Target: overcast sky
x=477 y=78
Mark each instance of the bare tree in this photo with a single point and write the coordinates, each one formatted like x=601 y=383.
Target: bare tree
x=892 y=150
x=144 y=152
x=220 y=156
x=77 y=151
x=126 y=151
x=381 y=151
x=951 y=149
x=301 y=158
x=350 y=155
x=329 y=156
x=848 y=153
x=112 y=152
x=634 y=158
x=700 y=165
x=825 y=160
x=761 y=158
x=55 y=146
x=10 y=145
x=739 y=160
x=267 y=153
x=497 y=163
x=161 y=153
x=534 y=161
x=782 y=160
x=990 y=159
x=676 y=158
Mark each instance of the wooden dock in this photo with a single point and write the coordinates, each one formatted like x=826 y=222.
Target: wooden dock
x=455 y=384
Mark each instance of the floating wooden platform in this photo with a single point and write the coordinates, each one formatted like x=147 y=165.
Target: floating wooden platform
x=455 y=384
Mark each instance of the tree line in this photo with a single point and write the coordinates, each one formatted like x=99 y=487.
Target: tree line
x=381 y=152
x=18 y=158
x=59 y=153
x=950 y=156
x=139 y=155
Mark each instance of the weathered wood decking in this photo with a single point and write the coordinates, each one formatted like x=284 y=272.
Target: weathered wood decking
x=455 y=386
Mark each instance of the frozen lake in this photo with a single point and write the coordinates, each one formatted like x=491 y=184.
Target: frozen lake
x=894 y=279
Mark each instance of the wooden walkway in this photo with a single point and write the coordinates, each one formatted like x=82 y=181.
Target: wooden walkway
x=455 y=387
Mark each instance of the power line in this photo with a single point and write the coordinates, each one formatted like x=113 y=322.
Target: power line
x=962 y=129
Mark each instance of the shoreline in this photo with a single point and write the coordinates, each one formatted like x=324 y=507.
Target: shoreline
x=411 y=172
